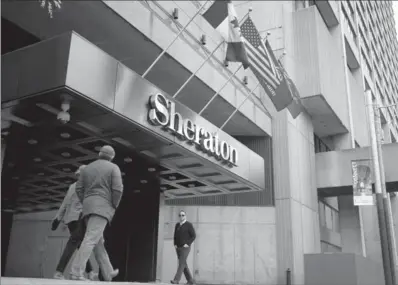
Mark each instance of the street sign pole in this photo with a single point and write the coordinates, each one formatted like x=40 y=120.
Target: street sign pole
x=386 y=198
x=379 y=195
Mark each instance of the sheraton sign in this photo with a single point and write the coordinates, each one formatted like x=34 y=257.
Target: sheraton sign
x=162 y=113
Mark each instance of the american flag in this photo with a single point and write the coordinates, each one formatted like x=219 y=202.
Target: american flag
x=259 y=59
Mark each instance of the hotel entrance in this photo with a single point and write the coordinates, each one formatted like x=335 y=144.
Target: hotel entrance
x=64 y=98
x=41 y=156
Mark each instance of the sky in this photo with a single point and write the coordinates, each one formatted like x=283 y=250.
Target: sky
x=395 y=6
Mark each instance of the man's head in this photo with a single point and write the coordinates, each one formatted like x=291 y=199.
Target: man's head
x=80 y=169
x=107 y=152
x=182 y=215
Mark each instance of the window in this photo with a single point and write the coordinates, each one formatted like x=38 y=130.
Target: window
x=328 y=216
x=319 y=145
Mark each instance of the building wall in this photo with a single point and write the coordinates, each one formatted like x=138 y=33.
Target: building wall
x=296 y=197
x=372 y=233
x=34 y=250
x=234 y=245
x=154 y=23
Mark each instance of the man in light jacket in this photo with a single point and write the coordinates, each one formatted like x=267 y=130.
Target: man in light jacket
x=100 y=189
x=69 y=213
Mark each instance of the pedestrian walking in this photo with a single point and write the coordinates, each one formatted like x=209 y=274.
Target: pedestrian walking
x=184 y=236
x=100 y=189
x=69 y=213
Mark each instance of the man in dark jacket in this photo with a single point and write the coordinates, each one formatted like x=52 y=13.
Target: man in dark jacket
x=184 y=236
x=100 y=189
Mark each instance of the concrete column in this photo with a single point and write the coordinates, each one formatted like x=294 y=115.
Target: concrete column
x=350 y=217
x=159 y=257
x=350 y=226
x=296 y=197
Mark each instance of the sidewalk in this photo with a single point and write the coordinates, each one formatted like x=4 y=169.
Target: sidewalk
x=39 y=281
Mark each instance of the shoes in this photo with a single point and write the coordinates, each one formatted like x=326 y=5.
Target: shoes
x=190 y=283
x=114 y=273
x=92 y=276
x=78 y=278
x=173 y=282
x=58 y=275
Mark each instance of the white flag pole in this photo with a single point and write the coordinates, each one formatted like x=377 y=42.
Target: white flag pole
x=197 y=70
x=222 y=87
x=176 y=37
x=241 y=104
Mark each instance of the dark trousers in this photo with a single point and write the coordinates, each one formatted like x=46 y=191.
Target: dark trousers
x=182 y=255
x=77 y=230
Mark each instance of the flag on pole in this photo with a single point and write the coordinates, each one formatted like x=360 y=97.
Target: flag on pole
x=295 y=107
x=217 y=13
x=222 y=16
x=263 y=66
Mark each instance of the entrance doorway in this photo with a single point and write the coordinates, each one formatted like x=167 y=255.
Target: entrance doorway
x=132 y=237
x=39 y=164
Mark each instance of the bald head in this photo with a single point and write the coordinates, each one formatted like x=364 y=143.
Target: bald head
x=107 y=152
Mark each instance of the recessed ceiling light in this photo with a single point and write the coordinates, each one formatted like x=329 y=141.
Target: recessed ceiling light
x=172 y=177
x=65 y=135
x=143 y=181
x=191 y=185
x=128 y=159
x=8 y=210
x=32 y=141
x=37 y=159
x=65 y=154
x=40 y=173
x=151 y=169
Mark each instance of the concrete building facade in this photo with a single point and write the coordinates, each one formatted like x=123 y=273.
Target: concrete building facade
x=288 y=196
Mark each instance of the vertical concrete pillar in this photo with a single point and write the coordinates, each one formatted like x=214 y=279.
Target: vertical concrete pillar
x=159 y=258
x=350 y=226
x=296 y=197
x=350 y=216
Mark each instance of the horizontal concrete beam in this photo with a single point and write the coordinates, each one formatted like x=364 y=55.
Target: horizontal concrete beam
x=334 y=172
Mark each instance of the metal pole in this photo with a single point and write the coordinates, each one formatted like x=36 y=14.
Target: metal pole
x=176 y=37
x=208 y=57
x=236 y=110
x=379 y=196
x=215 y=95
x=193 y=74
x=386 y=200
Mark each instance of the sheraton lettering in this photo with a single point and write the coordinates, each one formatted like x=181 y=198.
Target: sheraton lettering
x=162 y=113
